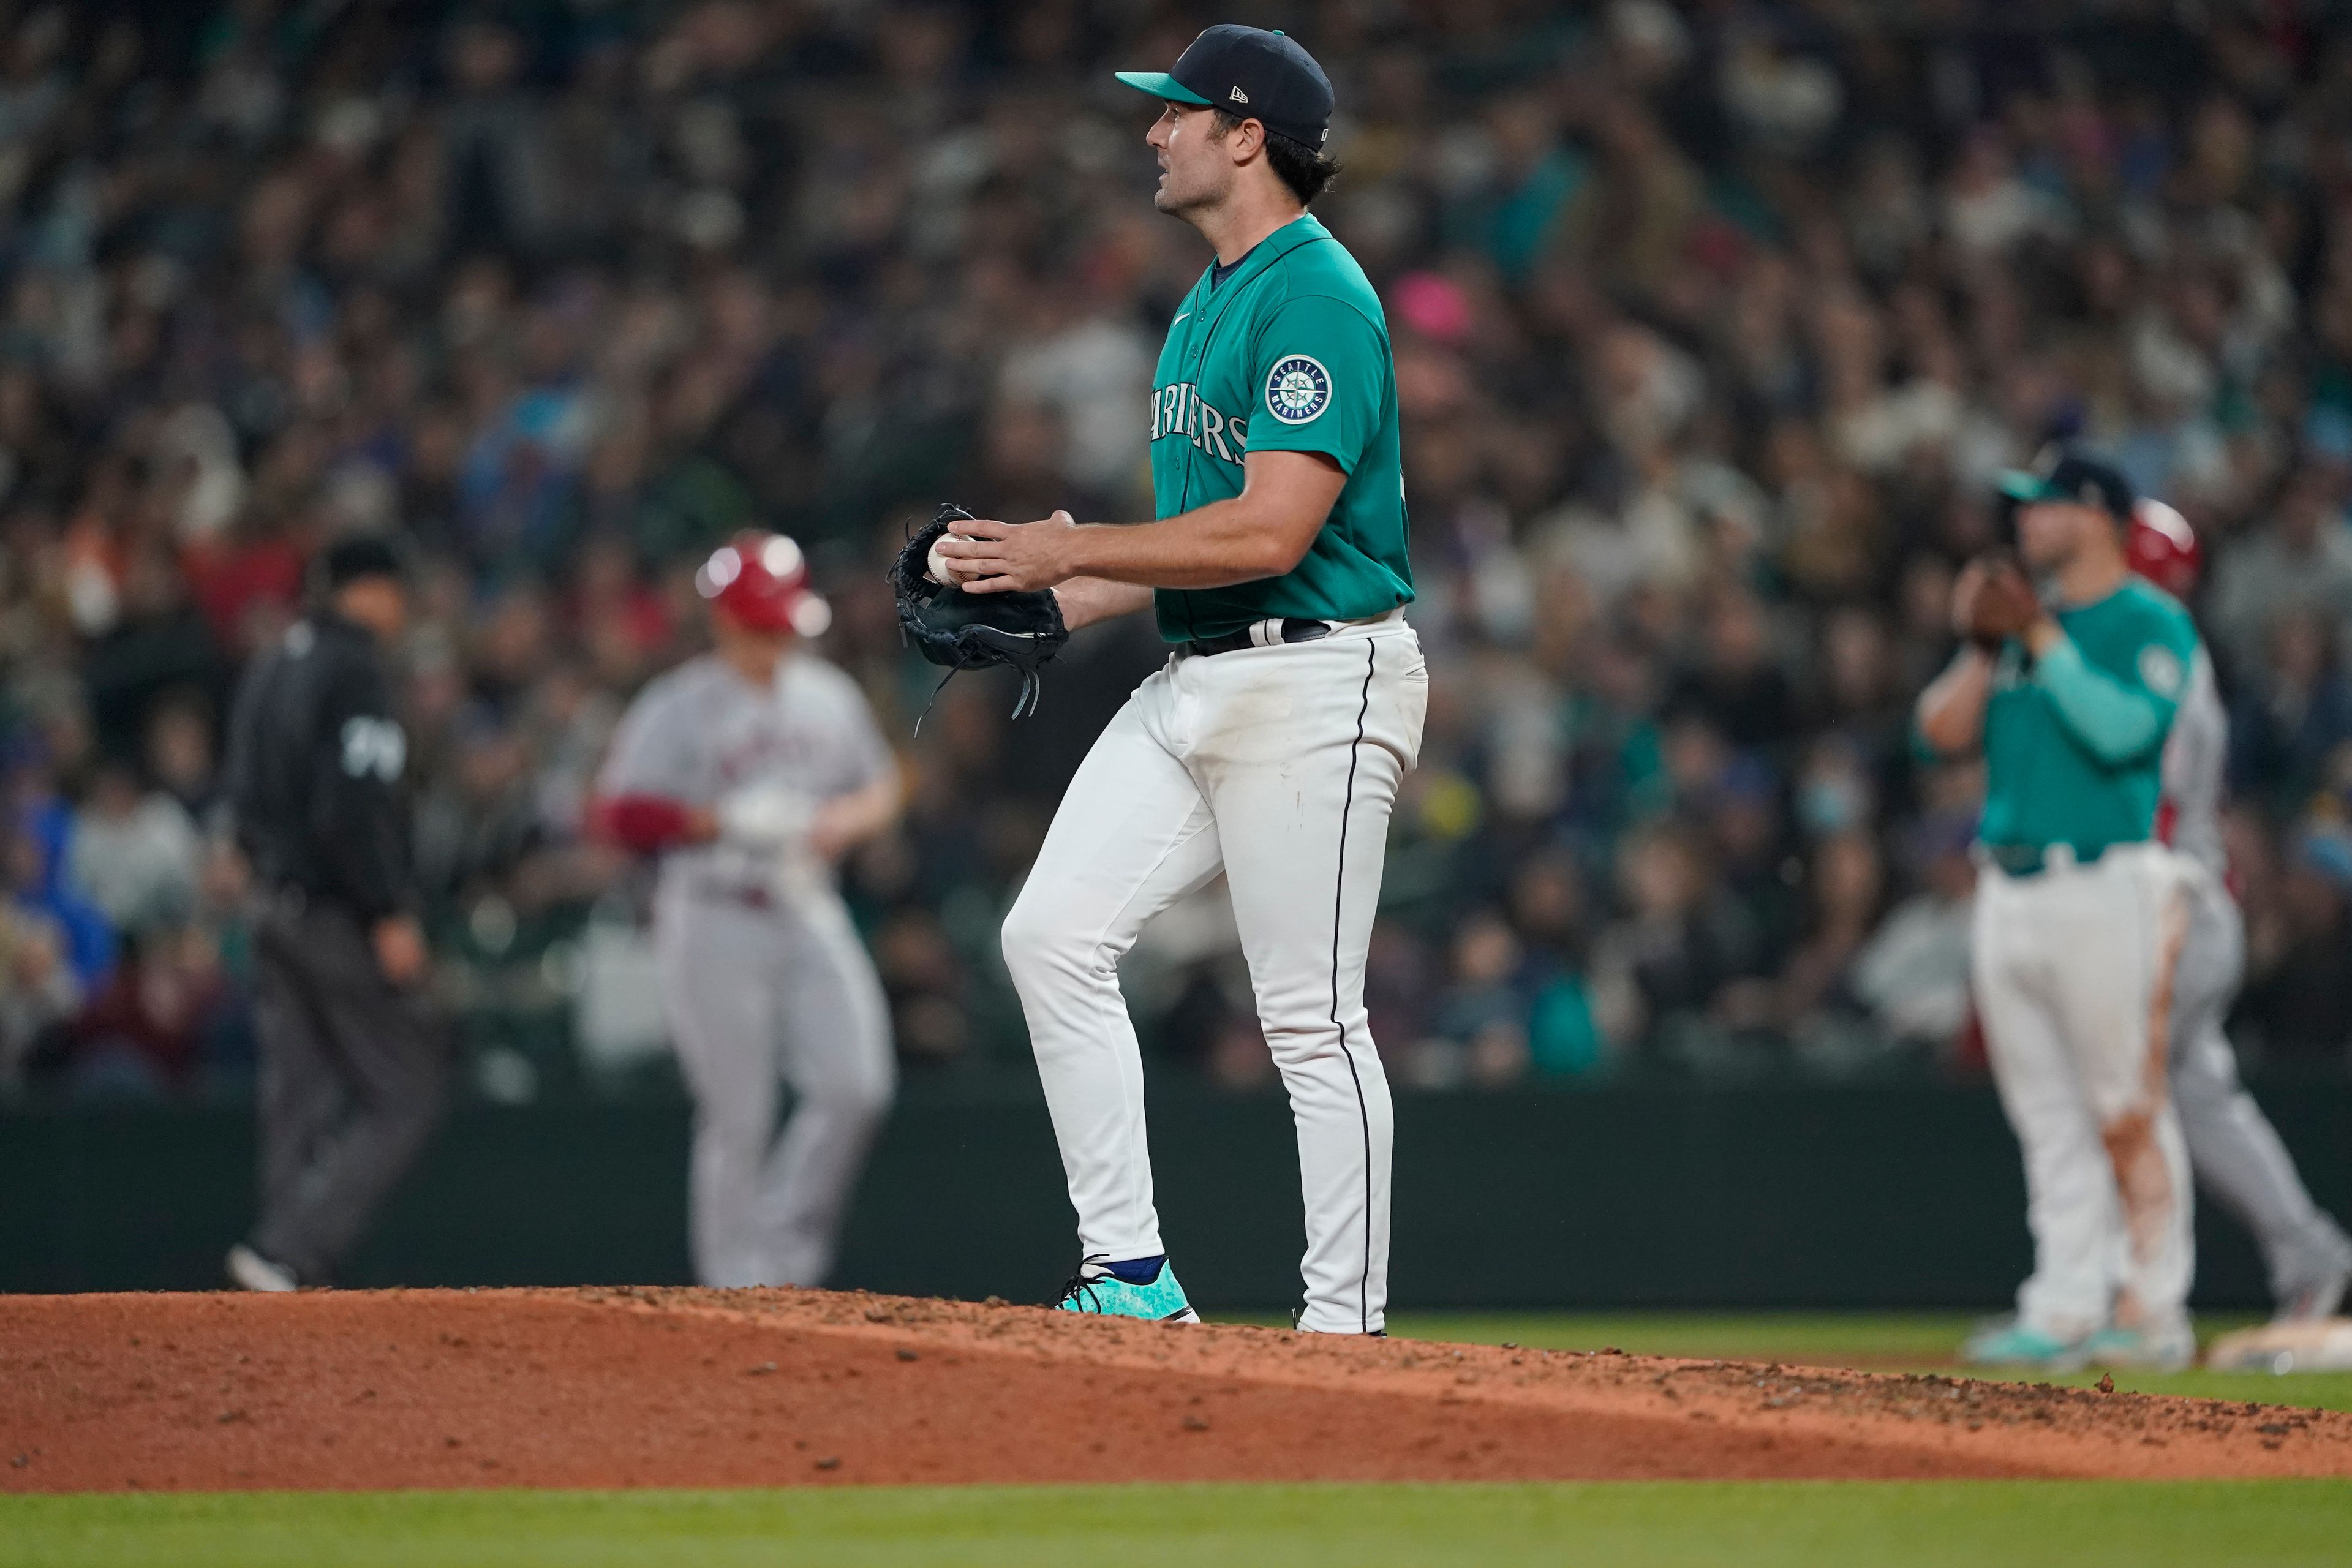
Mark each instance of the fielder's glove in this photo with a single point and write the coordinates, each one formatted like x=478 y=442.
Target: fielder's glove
x=972 y=631
x=1994 y=601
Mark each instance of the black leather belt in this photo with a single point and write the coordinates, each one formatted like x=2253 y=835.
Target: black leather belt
x=749 y=896
x=1293 y=630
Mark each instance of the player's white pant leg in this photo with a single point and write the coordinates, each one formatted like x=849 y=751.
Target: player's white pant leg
x=718 y=967
x=1132 y=837
x=2234 y=1150
x=836 y=1027
x=2070 y=1197
x=2124 y=919
x=1300 y=749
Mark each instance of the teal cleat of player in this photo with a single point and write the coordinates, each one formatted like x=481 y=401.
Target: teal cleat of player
x=1096 y=1290
x=2164 y=1347
x=2016 y=1344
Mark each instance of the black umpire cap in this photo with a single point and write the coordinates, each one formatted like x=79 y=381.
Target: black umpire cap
x=2069 y=474
x=1251 y=74
x=359 y=555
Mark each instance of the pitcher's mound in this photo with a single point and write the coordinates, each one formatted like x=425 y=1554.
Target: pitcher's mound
x=699 y=1388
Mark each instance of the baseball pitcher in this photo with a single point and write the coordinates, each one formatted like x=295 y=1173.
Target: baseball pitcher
x=2080 y=916
x=750 y=771
x=1271 y=745
x=2234 y=1150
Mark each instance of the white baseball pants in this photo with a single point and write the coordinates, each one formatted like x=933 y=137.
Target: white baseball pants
x=759 y=998
x=2073 y=976
x=2236 y=1153
x=1278 y=766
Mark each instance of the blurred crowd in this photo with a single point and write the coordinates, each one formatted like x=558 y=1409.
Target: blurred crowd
x=1713 y=322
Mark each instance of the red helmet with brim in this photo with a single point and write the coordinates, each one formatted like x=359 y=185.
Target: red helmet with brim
x=760 y=582
x=2162 y=548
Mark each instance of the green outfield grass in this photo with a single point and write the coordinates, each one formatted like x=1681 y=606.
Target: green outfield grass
x=1624 y=1525
x=1888 y=1341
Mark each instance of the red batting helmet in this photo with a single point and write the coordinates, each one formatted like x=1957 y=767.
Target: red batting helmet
x=2163 y=548
x=761 y=580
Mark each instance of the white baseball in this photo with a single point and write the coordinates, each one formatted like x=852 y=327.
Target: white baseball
x=937 y=565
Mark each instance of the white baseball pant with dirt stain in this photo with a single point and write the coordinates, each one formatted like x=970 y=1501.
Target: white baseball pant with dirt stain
x=2073 y=975
x=1278 y=766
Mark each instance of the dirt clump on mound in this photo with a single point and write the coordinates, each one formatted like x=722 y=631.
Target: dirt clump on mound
x=602 y=1387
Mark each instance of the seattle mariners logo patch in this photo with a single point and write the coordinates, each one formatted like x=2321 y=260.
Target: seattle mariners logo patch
x=2160 y=667
x=1297 y=390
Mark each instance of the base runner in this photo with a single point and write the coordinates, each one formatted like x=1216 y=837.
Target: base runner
x=2080 y=917
x=1270 y=747
x=750 y=771
x=2236 y=1153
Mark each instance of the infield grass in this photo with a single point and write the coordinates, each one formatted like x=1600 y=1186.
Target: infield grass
x=1758 y=1524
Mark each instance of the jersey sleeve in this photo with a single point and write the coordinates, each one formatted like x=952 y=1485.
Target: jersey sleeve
x=2121 y=716
x=1319 y=377
x=861 y=754
x=2194 y=750
x=657 y=749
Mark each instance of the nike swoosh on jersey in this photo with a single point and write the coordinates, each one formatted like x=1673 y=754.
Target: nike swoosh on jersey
x=1179 y=317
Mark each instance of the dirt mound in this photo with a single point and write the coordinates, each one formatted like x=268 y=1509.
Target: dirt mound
x=601 y=1387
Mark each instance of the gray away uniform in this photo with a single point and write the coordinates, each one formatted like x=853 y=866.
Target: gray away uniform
x=764 y=978
x=2233 y=1149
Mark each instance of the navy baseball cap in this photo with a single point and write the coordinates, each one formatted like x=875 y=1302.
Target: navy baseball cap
x=2068 y=475
x=1251 y=74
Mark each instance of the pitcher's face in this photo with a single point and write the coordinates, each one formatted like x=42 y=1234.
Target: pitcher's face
x=1196 y=168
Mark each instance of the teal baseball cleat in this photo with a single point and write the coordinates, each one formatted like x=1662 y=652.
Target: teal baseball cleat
x=2012 y=1343
x=1096 y=1290
x=2157 y=1347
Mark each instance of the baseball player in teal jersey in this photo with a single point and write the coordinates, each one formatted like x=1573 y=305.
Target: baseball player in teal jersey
x=2080 y=917
x=1270 y=748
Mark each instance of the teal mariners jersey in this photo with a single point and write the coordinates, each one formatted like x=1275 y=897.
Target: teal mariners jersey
x=1289 y=353
x=2075 y=741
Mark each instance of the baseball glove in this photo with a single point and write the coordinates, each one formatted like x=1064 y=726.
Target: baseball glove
x=1997 y=601
x=972 y=631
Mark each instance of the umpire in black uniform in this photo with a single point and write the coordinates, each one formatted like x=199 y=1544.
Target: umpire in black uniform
x=352 y=1060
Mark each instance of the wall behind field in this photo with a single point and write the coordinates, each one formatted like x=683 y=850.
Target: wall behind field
x=1633 y=1196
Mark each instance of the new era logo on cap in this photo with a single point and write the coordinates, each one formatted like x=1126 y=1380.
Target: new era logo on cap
x=1277 y=81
